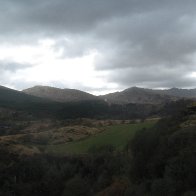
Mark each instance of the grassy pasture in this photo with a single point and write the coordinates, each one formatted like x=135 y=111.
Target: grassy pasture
x=116 y=135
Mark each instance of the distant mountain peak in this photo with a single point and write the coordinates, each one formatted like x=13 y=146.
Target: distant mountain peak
x=59 y=95
x=149 y=96
x=130 y=95
x=137 y=95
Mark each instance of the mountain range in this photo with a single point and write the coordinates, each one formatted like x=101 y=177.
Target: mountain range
x=132 y=103
x=130 y=95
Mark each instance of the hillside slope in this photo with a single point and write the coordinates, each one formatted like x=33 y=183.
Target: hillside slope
x=164 y=157
x=19 y=101
x=149 y=96
x=177 y=92
x=131 y=95
x=138 y=95
x=60 y=95
x=10 y=97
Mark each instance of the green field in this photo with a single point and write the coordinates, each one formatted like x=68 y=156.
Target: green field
x=116 y=135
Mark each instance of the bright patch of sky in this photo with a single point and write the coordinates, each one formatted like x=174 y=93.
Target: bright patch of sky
x=47 y=67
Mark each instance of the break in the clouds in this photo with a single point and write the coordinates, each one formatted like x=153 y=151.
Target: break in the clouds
x=98 y=46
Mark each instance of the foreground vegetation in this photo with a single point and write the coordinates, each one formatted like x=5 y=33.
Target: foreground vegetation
x=159 y=160
x=124 y=160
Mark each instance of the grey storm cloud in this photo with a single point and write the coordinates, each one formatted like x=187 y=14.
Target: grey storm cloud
x=7 y=66
x=146 y=43
x=7 y=69
x=64 y=14
x=79 y=46
x=154 y=77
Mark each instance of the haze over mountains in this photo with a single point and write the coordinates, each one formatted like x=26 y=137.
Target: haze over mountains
x=130 y=95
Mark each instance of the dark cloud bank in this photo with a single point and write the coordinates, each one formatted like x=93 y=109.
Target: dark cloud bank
x=145 y=43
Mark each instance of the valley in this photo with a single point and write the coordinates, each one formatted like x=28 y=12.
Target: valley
x=71 y=136
x=43 y=120
x=120 y=144
x=116 y=136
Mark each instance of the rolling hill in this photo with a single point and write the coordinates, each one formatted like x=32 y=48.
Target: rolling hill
x=14 y=98
x=131 y=103
x=60 y=95
x=98 y=108
x=133 y=95
x=43 y=107
x=28 y=104
x=149 y=96
x=180 y=93
x=139 y=96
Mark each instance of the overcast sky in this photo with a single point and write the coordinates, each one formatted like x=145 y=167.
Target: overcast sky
x=98 y=46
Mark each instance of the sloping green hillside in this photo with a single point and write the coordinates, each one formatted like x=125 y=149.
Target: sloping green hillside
x=116 y=136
